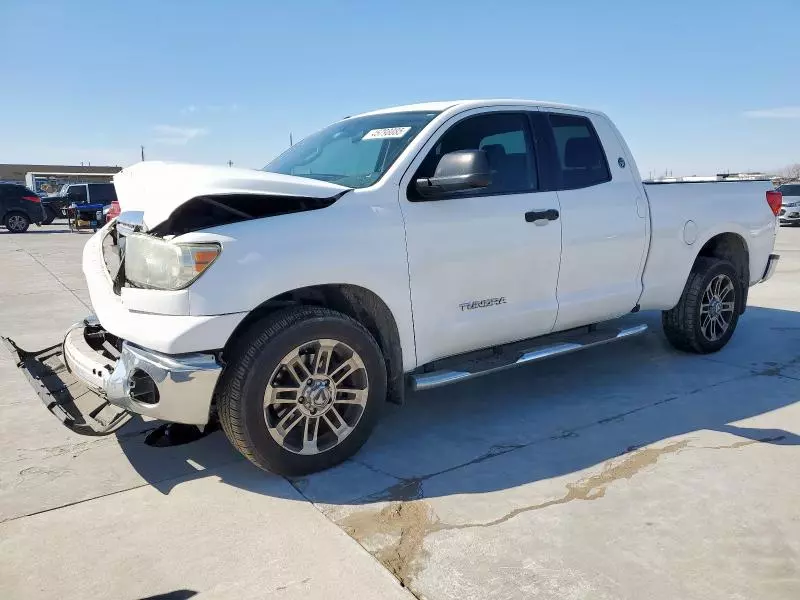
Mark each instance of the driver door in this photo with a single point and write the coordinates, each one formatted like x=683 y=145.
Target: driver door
x=483 y=271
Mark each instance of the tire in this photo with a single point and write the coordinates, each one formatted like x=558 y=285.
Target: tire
x=17 y=222
x=258 y=360
x=50 y=216
x=688 y=329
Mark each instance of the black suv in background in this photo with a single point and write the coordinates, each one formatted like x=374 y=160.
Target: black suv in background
x=19 y=207
x=77 y=193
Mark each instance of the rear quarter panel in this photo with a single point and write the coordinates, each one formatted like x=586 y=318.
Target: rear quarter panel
x=702 y=210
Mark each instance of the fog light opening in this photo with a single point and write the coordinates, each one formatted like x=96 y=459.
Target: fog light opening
x=142 y=388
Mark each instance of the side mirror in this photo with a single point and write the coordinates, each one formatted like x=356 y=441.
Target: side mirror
x=457 y=172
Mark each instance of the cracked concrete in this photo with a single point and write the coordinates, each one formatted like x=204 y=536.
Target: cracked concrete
x=396 y=533
x=629 y=472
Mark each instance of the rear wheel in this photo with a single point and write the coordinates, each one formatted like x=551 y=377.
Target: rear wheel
x=707 y=314
x=302 y=391
x=17 y=222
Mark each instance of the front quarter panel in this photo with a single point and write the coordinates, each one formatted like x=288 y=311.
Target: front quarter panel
x=359 y=240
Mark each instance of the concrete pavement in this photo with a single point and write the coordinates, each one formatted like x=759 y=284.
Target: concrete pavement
x=628 y=471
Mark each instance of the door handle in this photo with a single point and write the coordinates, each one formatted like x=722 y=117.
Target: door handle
x=551 y=214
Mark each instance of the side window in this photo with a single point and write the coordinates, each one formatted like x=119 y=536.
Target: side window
x=102 y=193
x=506 y=140
x=77 y=193
x=579 y=152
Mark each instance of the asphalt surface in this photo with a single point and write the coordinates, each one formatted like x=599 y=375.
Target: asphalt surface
x=628 y=471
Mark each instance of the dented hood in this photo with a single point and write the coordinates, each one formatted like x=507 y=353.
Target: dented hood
x=157 y=188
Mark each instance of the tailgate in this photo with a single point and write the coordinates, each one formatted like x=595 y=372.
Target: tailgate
x=78 y=407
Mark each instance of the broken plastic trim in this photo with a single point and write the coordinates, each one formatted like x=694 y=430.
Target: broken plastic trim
x=203 y=212
x=78 y=407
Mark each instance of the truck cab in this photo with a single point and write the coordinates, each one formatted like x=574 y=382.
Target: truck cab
x=79 y=194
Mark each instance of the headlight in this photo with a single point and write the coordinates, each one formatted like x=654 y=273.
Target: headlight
x=155 y=263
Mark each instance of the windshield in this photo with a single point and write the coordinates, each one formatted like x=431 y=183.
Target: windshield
x=355 y=152
x=790 y=190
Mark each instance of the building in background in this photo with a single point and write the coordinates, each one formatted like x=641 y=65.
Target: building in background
x=48 y=179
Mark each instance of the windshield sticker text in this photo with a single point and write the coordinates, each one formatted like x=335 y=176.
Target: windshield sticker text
x=386 y=133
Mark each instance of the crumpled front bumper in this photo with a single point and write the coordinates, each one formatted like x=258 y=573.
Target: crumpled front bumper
x=94 y=387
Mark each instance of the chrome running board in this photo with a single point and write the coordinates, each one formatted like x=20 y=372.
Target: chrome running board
x=590 y=339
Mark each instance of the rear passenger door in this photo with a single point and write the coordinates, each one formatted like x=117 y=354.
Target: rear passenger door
x=603 y=219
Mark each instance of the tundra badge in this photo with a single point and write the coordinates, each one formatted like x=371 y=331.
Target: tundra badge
x=482 y=303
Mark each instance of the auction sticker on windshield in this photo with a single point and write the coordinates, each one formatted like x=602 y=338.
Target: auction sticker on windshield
x=386 y=133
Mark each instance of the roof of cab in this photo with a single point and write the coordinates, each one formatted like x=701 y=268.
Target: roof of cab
x=467 y=104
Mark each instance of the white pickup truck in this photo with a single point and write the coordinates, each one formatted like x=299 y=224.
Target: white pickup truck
x=409 y=247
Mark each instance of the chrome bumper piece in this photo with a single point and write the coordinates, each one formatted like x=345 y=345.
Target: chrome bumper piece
x=183 y=384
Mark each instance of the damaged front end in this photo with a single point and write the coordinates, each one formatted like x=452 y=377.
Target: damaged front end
x=93 y=381
x=204 y=212
x=79 y=405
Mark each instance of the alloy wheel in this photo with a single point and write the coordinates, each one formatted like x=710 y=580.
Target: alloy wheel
x=717 y=307
x=16 y=223
x=316 y=396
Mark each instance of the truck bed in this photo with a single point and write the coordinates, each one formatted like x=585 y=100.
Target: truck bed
x=685 y=215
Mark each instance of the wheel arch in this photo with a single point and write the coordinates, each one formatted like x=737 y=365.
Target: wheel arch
x=732 y=247
x=357 y=302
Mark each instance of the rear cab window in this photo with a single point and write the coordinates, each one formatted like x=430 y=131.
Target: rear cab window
x=102 y=193
x=580 y=157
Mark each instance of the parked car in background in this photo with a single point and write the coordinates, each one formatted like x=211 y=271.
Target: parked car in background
x=19 y=207
x=790 y=206
x=77 y=193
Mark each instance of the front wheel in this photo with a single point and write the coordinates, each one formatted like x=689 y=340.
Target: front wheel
x=706 y=315
x=302 y=390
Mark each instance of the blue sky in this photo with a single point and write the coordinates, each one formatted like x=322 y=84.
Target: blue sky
x=695 y=87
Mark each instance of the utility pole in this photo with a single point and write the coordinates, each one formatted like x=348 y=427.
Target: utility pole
x=142 y=147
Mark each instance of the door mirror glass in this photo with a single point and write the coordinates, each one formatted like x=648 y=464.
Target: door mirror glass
x=457 y=172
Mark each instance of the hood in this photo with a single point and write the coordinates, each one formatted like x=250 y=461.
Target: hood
x=157 y=188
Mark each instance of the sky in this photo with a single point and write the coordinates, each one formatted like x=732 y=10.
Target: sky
x=695 y=87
